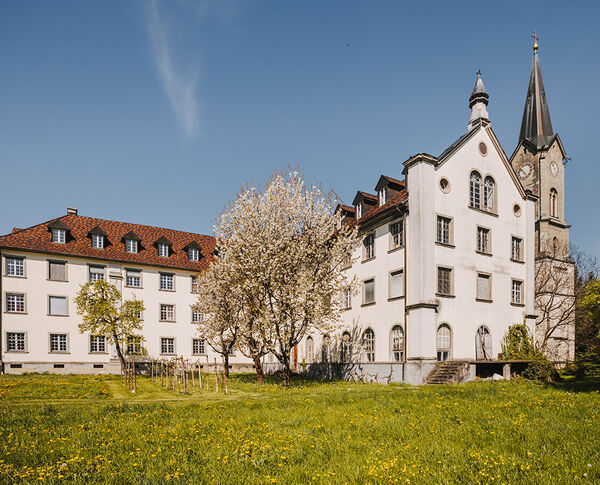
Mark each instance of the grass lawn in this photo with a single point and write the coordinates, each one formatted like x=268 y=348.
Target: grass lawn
x=91 y=430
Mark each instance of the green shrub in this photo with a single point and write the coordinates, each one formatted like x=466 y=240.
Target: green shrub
x=517 y=344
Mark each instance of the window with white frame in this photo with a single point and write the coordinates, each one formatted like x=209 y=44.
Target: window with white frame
x=167 y=345
x=396 y=284
x=369 y=244
x=198 y=346
x=516 y=249
x=484 y=286
x=369 y=345
x=488 y=193
x=194 y=280
x=97 y=241
x=58 y=342
x=444 y=230
x=368 y=291
x=443 y=342
x=359 y=210
x=347 y=298
x=325 y=344
x=397 y=343
x=483 y=240
x=163 y=250
x=15 y=341
x=97 y=343
x=15 y=302
x=57 y=305
x=133 y=278
x=310 y=350
x=134 y=345
x=475 y=190
x=517 y=292
x=397 y=234
x=193 y=254
x=167 y=281
x=167 y=313
x=57 y=270
x=96 y=273
x=59 y=236
x=15 y=266
x=131 y=246
x=196 y=316
x=444 y=281
x=346 y=348
x=383 y=196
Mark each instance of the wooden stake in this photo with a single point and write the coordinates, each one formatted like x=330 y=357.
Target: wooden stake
x=216 y=377
x=199 y=374
x=207 y=372
x=134 y=374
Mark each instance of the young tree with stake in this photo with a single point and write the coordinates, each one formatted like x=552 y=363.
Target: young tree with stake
x=104 y=313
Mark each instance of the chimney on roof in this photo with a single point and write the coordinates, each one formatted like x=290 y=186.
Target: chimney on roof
x=72 y=210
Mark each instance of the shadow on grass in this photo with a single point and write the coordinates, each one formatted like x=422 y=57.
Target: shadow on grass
x=573 y=384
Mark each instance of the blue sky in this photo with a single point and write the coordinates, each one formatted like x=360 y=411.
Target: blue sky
x=156 y=112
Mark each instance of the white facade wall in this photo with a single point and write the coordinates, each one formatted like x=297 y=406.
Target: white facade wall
x=38 y=324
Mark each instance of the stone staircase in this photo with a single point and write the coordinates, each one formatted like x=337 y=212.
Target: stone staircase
x=448 y=373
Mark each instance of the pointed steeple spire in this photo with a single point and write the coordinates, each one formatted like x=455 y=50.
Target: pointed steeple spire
x=536 y=127
x=478 y=102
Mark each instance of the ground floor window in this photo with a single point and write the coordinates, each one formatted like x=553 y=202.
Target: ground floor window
x=167 y=345
x=97 y=343
x=397 y=343
x=369 y=345
x=346 y=348
x=310 y=350
x=15 y=342
x=483 y=344
x=58 y=342
x=444 y=342
x=198 y=346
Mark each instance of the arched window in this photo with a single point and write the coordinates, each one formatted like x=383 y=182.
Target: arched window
x=310 y=350
x=346 y=348
x=369 y=345
x=553 y=203
x=475 y=190
x=488 y=193
x=325 y=349
x=397 y=343
x=483 y=344
x=443 y=342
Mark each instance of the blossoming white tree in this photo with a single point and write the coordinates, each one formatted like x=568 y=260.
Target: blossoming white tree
x=287 y=248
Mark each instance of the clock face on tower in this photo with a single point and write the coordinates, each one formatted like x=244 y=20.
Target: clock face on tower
x=525 y=171
x=554 y=168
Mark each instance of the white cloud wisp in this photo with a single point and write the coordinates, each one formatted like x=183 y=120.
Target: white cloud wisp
x=180 y=89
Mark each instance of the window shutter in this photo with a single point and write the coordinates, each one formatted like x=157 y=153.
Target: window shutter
x=396 y=284
x=58 y=305
x=483 y=287
x=57 y=271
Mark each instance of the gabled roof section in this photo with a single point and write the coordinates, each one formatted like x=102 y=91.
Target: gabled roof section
x=163 y=240
x=38 y=239
x=366 y=197
x=98 y=231
x=193 y=245
x=399 y=199
x=385 y=181
x=56 y=224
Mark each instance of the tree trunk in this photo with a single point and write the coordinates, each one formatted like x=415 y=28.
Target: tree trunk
x=118 y=348
x=259 y=370
x=226 y=364
x=287 y=372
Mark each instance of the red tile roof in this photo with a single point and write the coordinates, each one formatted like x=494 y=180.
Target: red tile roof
x=400 y=198
x=39 y=238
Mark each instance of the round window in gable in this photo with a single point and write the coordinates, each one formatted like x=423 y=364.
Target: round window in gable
x=483 y=149
x=444 y=185
x=517 y=210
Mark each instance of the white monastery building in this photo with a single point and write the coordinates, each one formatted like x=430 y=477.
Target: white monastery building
x=448 y=261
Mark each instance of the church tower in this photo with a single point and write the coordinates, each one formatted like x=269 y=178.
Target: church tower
x=538 y=161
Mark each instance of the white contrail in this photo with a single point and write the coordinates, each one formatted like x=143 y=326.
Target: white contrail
x=180 y=90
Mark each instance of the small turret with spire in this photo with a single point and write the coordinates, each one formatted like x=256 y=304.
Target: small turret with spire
x=478 y=102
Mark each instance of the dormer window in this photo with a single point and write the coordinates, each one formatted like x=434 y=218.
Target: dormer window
x=131 y=246
x=59 y=235
x=163 y=250
x=193 y=254
x=97 y=241
x=383 y=196
x=359 y=210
